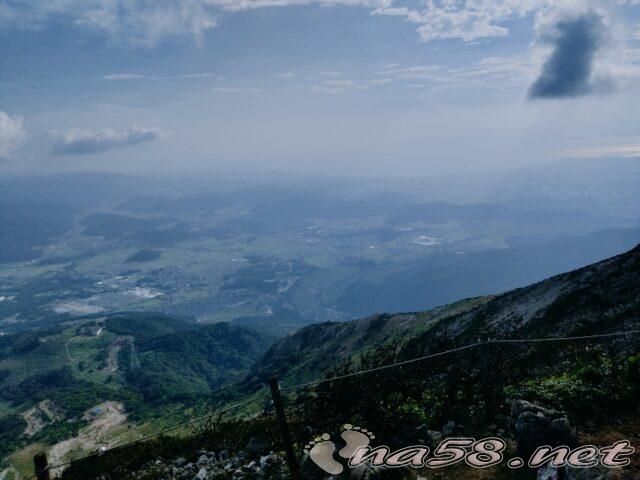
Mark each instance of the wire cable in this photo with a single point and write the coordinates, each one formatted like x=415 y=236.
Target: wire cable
x=333 y=379
x=376 y=369
x=426 y=357
x=563 y=339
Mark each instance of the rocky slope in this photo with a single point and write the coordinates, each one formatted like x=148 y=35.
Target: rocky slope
x=603 y=297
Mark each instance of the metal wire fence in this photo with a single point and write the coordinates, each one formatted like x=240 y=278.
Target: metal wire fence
x=43 y=468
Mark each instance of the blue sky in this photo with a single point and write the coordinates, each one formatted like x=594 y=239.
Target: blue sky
x=342 y=87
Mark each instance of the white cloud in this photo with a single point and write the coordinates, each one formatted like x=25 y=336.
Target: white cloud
x=125 y=76
x=436 y=19
x=145 y=23
x=380 y=81
x=82 y=142
x=236 y=90
x=339 y=83
x=11 y=134
x=198 y=75
x=336 y=87
x=507 y=73
x=616 y=147
x=615 y=62
x=136 y=76
x=488 y=72
x=141 y=23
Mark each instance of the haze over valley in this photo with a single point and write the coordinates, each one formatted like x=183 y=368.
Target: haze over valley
x=279 y=252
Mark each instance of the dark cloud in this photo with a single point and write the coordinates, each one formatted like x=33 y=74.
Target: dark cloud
x=81 y=142
x=568 y=71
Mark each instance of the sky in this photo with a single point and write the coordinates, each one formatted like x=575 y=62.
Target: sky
x=396 y=88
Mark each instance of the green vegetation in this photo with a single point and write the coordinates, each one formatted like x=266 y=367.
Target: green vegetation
x=398 y=400
x=5 y=409
x=11 y=428
x=589 y=383
x=149 y=231
x=12 y=438
x=156 y=365
x=58 y=431
x=171 y=366
x=71 y=395
x=26 y=354
x=279 y=256
x=597 y=382
x=145 y=325
x=182 y=367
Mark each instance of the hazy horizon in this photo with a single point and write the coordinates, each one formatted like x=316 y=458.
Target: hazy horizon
x=259 y=175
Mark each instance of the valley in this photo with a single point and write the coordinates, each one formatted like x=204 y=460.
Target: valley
x=287 y=252
x=153 y=305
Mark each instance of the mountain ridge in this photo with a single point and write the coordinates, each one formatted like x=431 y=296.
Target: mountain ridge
x=560 y=305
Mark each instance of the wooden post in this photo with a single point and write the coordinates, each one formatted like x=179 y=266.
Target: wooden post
x=292 y=461
x=40 y=463
x=487 y=384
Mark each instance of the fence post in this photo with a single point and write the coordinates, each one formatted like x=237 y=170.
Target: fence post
x=40 y=464
x=292 y=462
x=487 y=384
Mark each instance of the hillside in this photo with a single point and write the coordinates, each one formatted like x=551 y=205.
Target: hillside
x=602 y=297
x=311 y=350
x=147 y=371
x=592 y=386
x=140 y=366
x=186 y=366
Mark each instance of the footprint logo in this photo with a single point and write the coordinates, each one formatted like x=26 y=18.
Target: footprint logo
x=322 y=449
x=355 y=438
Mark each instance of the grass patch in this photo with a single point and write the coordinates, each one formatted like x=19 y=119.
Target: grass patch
x=23 y=459
x=6 y=409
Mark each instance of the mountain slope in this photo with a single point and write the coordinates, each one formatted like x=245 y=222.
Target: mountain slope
x=316 y=347
x=187 y=365
x=145 y=364
x=602 y=297
x=599 y=298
